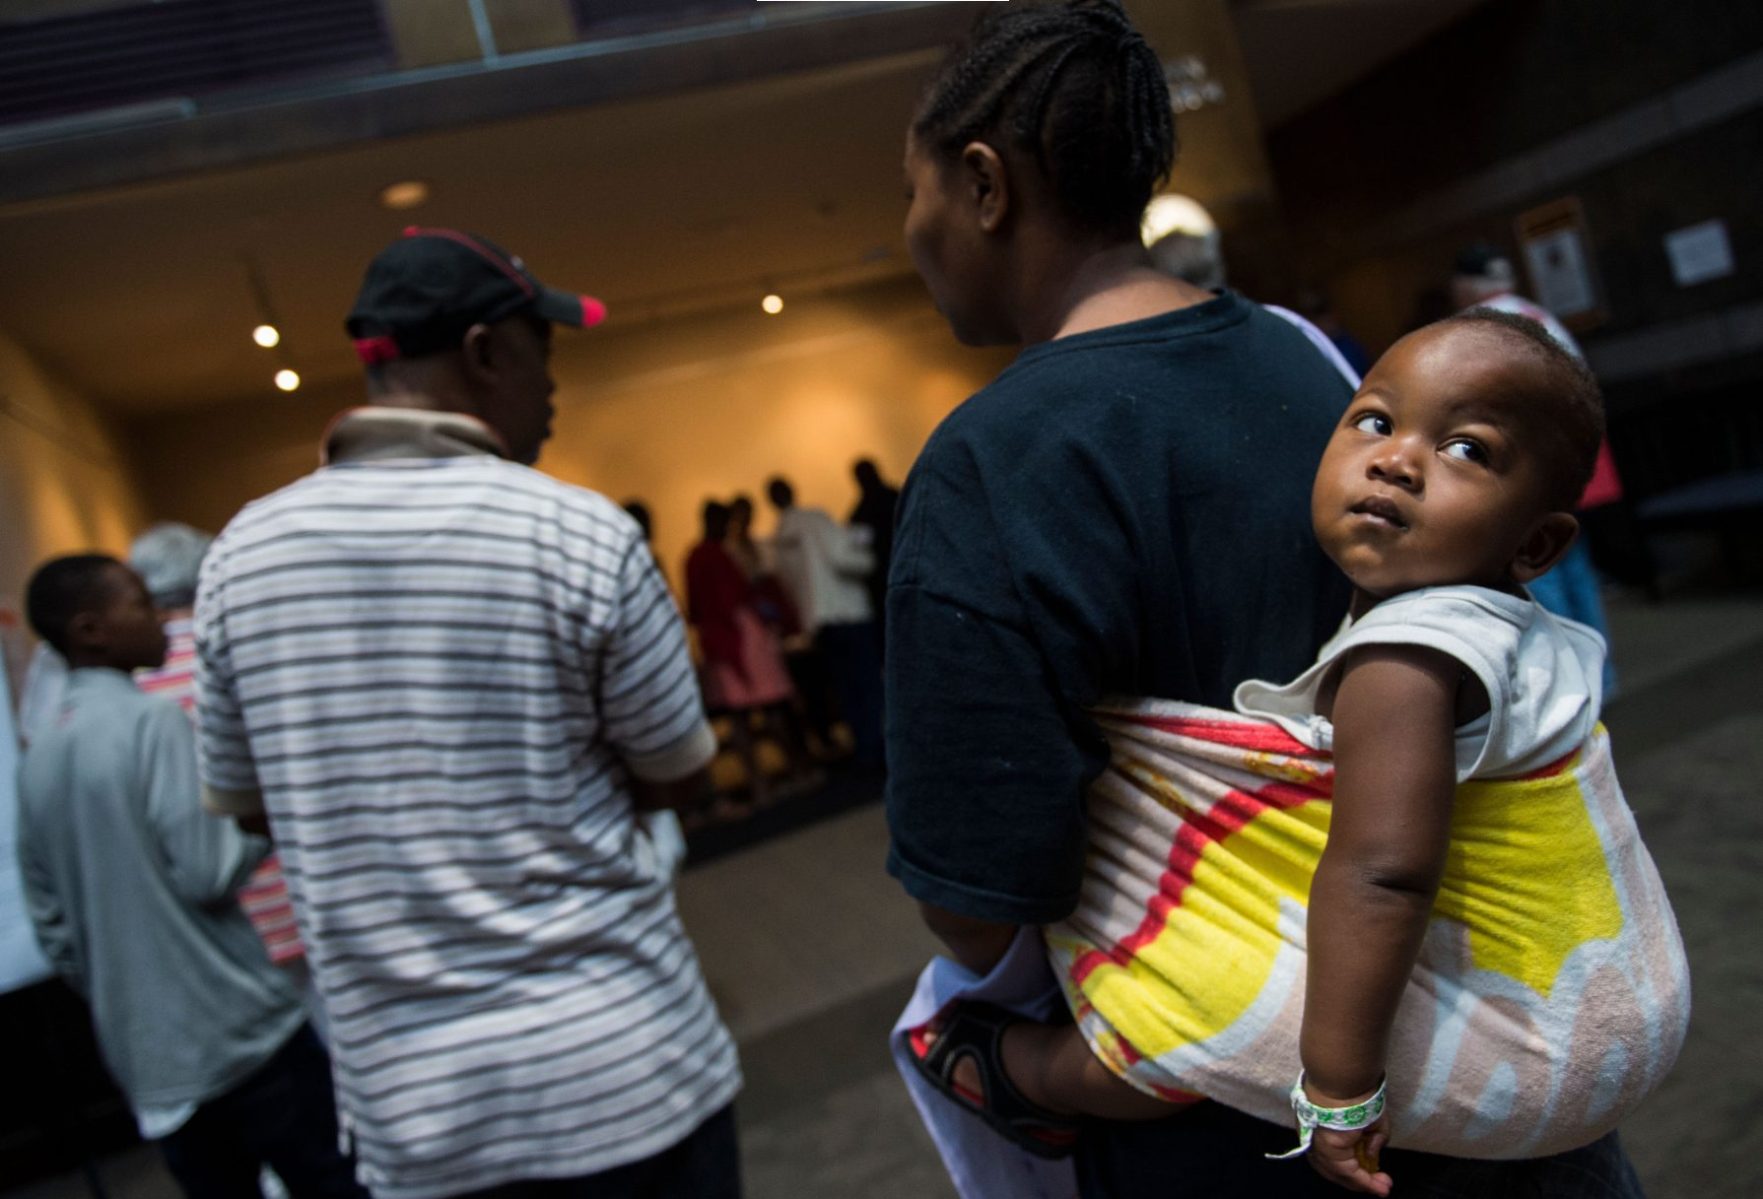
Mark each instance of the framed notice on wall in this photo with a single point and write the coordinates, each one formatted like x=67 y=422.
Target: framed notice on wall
x=1557 y=256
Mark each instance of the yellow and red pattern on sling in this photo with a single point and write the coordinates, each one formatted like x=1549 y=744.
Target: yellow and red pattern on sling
x=1551 y=993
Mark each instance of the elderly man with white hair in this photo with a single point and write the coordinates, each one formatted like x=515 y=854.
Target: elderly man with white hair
x=168 y=557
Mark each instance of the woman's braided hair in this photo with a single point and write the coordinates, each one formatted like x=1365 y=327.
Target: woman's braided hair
x=1073 y=86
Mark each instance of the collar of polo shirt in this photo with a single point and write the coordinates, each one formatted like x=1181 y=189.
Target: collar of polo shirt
x=372 y=434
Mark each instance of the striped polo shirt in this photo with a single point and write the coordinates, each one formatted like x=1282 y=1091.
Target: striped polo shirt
x=436 y=671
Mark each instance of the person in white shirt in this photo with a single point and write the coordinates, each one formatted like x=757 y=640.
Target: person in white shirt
x=825 y=568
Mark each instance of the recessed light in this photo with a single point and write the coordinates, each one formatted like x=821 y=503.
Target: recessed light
x=773 y=304
x=287 y=380
x=406 y=193
x=1174 y=213
x=266 y=336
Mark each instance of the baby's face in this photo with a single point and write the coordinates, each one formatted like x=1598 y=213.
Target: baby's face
x=1430 y=479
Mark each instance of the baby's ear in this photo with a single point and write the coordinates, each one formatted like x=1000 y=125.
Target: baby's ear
x=1546 y=544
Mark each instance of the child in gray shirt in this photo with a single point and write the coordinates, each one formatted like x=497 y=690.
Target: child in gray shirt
x=131 y=886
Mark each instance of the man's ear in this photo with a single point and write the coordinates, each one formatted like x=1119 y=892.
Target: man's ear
x=985 y=183
x=477 y=351
x=1546 y=544
x=85 y=630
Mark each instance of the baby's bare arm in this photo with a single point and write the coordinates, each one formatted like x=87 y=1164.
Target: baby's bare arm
x=1394 y=721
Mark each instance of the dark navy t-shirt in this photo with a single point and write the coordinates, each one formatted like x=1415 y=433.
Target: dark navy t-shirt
x=1121 y=512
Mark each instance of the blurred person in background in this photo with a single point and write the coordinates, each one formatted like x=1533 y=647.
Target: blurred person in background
x=133 y=891
x=168 y=557
x=824 y=567
x=813 y=706
x=877 y=504
x=740 y=542
x=744 y=675
x=1314 y=304
x=639 y=512
x=1199 y=259
x=664 y=824
x=39 y=696
x=805 y=715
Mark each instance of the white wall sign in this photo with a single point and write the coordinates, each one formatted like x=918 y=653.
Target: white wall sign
x=1699 y=253
x=1558 y=271
x=1557 y=249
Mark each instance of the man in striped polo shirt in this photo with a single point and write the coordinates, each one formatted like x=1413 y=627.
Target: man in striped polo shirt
x=452 y=685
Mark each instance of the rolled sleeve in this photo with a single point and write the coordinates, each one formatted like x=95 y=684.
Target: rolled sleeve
x=688 y=755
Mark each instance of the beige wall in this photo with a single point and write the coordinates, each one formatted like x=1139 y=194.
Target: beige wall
x=201 y=465
x=64 y=484
x=671 y=412
x=718 y=409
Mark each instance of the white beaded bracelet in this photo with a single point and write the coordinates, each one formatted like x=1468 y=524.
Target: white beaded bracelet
x=1343 y=1119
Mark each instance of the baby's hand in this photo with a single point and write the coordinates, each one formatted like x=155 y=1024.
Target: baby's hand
x=1349 y=1159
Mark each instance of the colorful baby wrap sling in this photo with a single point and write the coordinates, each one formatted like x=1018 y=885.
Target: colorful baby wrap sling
x=1551 y=992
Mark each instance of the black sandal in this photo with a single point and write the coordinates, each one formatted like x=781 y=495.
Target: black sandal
x=975 y=1031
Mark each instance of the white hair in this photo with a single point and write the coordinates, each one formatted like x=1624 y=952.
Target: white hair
x=1197 y=258
x=168 y=557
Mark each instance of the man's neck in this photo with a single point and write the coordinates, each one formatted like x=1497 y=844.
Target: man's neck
x=421 y=401
x=384 y=431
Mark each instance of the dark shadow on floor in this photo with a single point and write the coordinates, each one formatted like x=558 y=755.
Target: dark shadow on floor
x=846 y=788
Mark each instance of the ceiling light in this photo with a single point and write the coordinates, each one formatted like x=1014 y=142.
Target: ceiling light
x=1175 y=214
x=266 y=336
x=406 y=193
x=287 y=380
x=773 y=304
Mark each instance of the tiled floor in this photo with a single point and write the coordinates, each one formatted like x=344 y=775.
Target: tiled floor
x=802 y=924
x=811 y=949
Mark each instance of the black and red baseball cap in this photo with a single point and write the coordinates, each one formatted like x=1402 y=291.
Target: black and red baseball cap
x=422 y=292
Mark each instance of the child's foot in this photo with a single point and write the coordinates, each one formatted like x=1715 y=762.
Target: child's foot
x=964 y=1056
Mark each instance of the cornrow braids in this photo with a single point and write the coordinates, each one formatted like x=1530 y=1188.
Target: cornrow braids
x=1075 y=88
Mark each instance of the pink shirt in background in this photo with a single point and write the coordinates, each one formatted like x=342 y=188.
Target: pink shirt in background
x=265 y=895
